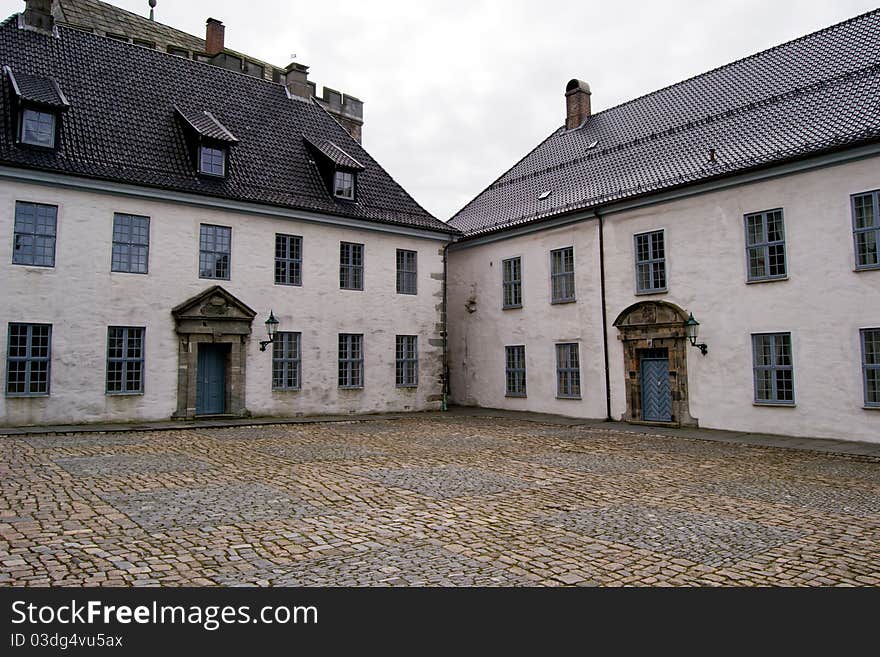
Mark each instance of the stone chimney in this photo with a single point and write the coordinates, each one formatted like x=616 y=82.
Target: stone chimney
x=38 y=15
x=577 y=104
x=296 y=79
x=214 y=35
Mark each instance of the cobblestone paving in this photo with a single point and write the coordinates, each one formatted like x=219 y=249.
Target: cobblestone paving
x=431 y=500
x=116 y=464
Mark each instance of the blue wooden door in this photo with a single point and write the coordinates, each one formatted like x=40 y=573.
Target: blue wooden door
x=211 y=381
x=656 y=392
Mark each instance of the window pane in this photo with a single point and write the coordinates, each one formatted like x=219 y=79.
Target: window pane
x=131 y=237
x=28 y=357
x=34 y=239
x=864 y=211
x=38 y=128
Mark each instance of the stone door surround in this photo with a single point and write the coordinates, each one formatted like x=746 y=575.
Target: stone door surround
x=212 y=317
x=650 y=325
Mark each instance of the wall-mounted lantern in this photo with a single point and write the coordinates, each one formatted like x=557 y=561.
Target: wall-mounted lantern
x=271 y=331
x=692 y=328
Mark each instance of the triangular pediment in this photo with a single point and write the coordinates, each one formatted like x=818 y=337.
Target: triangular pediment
x=214 y=303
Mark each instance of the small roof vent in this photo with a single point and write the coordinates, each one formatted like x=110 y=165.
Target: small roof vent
x=592 y=145
x=543 y=196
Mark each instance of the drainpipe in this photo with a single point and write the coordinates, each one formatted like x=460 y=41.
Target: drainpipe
x=604 y=316
x=445 y=403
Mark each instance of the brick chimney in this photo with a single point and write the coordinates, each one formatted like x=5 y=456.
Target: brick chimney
x=38 y=15
x=577 y=104
x=296 y=79
x=214 y=35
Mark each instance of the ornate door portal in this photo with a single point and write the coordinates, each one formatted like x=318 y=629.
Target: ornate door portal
x=655 y=361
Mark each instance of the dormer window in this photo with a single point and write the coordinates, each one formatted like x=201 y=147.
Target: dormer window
x=209 y=141
x=212 y=161
x=338 y=169
x=38 y=108
x=38 y=128
x=343 y=185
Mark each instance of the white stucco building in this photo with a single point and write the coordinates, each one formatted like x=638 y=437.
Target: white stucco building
x=746 y=196
x=145 y=246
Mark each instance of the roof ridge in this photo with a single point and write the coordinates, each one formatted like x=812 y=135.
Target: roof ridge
x=156 y=51
x=737 y=61
x=865 y=71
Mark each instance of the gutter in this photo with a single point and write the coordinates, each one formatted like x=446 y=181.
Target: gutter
x=445 y=324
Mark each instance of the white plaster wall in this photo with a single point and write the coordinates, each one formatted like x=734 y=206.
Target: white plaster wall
x=80 y=297
x=823 y=304
x=477 y=340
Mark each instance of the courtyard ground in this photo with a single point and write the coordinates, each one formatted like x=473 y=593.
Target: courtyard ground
x=432 y=499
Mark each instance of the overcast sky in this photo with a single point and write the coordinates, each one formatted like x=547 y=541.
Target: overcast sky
x=457 y=91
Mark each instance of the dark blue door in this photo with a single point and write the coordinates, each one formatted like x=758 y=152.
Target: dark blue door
x=656 y=392
x=211 y=392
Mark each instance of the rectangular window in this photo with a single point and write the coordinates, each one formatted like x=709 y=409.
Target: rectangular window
x=131 y=244
x=288 y=260
x=34 y=239
x=351 y=360
x=407 y=272
x=38 y=128
x=765 y=245
x=407 y=354
x=866 y=229
x=774 y=371
x=351 y=266
x=28 y=359
x=562 y=275
x=287 y=361
x=516 y=371
x=650 y=262
x=568 y=372
x=212 y=161
x=214 y=251
x=125 y=360
x=343 y=185
x=511 y=281
x=871 y=366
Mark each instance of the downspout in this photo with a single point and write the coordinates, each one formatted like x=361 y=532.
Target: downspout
x=444 y=323
x=604 y=317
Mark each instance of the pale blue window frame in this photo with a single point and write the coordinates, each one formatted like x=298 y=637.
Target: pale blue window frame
x=34 y=234
x=212 y=161
x=351 y=266
x=568 y=371
x=650 y=256
x=407 y=272
x=287 y=361
x=562 y=275
x=765 y=246
x=773 y=369
x=38 y=128
x=515 y=370
x=866 y=230
x=871 y=366
x=288 y=260
x=407 y=361
x=511 y=283
x=28 y=360
x=215 y=249
x=125 y=360
x=131 y=244
x=351 y=360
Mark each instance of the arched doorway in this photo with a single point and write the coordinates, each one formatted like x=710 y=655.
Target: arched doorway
x=655 y=361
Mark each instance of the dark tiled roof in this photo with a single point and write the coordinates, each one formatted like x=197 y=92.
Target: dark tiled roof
x=36 y=89
x=122 y=126
x=206 y=125
x=338 y=156
x=812 y=95
x=106 y=19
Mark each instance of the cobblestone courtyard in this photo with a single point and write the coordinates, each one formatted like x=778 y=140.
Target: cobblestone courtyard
x=431 y=500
